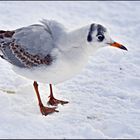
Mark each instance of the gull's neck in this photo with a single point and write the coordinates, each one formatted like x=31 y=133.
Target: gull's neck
x=75 y=39
x=79 y=36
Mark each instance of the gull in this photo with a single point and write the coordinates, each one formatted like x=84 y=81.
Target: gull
x=49 y=53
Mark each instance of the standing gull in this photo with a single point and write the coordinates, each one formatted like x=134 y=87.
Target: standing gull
x=47 y=53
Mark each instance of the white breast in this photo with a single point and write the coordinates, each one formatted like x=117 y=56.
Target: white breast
x=66 y=66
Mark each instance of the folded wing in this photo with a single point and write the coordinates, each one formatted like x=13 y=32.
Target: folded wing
x=28 y=46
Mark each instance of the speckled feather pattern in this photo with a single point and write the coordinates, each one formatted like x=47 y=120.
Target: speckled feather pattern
x=20 y=52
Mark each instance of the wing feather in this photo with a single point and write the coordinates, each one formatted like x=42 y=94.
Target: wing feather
x=28 y=46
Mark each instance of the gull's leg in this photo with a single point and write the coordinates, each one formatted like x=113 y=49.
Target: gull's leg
x=53 y=101
x=44 y=110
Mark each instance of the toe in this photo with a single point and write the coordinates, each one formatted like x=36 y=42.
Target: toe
x=64 y=102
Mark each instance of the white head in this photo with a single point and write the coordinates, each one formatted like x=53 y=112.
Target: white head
x=98 y=37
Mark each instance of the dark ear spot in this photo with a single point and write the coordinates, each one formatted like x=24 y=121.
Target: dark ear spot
x=89 y=37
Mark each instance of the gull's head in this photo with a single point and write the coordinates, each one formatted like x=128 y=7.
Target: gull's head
x=98 y=37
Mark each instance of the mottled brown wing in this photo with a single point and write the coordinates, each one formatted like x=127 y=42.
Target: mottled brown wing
x=17 y=55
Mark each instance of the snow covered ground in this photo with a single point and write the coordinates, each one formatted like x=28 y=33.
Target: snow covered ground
x=104 y=97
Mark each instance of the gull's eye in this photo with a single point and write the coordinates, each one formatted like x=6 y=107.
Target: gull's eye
x=100 y=38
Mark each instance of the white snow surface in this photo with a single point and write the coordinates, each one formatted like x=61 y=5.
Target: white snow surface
x=104 y=99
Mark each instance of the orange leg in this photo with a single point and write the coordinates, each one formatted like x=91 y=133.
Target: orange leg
x=44 y=110
x=53 y=101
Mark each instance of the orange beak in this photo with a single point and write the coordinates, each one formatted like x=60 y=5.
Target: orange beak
x=115 y=44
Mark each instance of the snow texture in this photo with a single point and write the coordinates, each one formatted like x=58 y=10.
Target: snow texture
x=104 y=97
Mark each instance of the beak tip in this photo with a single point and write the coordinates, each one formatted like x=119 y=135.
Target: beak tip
x=124 y=48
